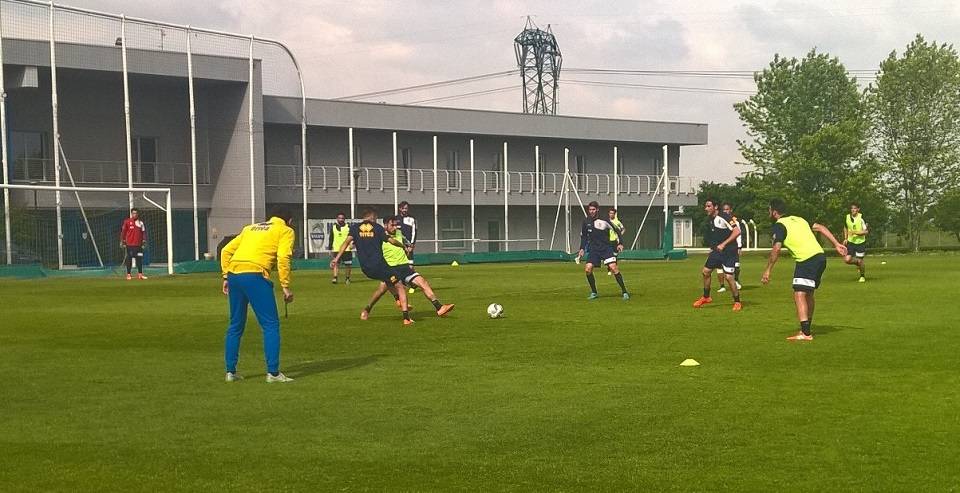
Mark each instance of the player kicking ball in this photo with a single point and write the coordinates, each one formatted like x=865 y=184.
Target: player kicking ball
x=397 y=260
x=369 y=237
x=722 y=237
x=795 y=234
x=595 y=239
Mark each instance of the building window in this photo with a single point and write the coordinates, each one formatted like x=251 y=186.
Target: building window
x=581 y=171
x=145 y=159
x=357 y=156
x=31 y=156
x=453 y=166
x=492 y=180
x=406 y=163
x=452 y=228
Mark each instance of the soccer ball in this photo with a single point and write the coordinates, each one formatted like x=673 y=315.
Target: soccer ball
x=495 y=310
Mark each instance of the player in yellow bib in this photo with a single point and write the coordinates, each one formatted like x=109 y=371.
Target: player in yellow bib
x=399 y=264
x=338 y=234
x=796 y=235
x=855 y=238
x=616 y=232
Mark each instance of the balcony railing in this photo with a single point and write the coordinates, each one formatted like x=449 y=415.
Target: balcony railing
x=109 y=172
x=421 y=180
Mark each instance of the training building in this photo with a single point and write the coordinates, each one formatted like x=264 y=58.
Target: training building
x=473 y=178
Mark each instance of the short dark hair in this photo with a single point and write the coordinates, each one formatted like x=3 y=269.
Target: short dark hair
x=778 y=205
x=612 y=209
x=404 y=203
x=368 y=211
x=341 y=214
x=725 y=204
x=283 y=212
x=134 y=210
x=393 y=218
x=712 y=201
x=594 y=204
x=855 y=204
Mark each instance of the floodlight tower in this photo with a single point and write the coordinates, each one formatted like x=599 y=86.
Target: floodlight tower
x=539 y=59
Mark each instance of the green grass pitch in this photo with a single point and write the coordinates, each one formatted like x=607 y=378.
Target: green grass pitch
x=110 y=385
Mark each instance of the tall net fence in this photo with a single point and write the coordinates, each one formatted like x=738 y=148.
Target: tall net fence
x=137 y=103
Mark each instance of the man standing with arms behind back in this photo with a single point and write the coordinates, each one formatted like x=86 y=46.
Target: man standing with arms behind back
x=796 y=234
x=246 y=263
x=133 y=236
x=855 y=238
x=338 y=233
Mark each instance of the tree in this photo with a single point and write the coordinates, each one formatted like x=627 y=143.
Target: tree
x=915 y=105
x=947 y=213
x=809 y=139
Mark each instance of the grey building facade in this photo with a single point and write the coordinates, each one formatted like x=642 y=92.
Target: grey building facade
x=230 y=191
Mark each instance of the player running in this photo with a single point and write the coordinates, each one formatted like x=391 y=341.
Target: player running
x=616 y=233
x=246 y=263
x=408 y=226
x=855 y=238
x=133 y=237
x=369 y=238
x=796 y=234
x=727 y=209
x=722 y=239
x=338 y=234
x=595 y=239
x=396 y=259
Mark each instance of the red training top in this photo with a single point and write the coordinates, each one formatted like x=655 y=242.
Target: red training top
x=133 y=232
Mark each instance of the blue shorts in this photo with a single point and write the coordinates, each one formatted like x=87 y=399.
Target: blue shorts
x=601 y=256
x=382 y=273
x=726 y=260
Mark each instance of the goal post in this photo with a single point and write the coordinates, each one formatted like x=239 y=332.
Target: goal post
x=90 y=222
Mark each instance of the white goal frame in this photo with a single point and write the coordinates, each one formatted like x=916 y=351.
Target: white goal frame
x=168 y=210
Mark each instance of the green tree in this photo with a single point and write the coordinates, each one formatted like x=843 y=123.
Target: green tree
x=809 y=139
x=947 y=212
x=915 y=107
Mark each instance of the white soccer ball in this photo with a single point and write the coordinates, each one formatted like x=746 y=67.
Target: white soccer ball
x=495 y=310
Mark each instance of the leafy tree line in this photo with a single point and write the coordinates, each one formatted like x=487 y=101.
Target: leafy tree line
x=819 y=141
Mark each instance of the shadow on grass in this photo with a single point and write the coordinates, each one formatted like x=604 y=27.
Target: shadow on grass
x=308 y=368
x=829 y=329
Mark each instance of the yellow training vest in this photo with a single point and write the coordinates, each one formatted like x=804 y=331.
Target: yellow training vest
x=339 y=235
x=800 y=239
x=855 y=225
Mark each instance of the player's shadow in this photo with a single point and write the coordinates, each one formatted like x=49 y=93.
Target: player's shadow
x=308 y=368
x=829 y=329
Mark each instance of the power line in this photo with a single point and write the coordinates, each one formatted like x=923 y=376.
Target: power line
x=715 y=90
x=464 y=95
x=430 y=85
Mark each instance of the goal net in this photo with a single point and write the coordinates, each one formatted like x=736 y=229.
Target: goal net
x=84 y=231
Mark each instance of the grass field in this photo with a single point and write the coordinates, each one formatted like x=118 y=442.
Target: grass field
x=116 y=386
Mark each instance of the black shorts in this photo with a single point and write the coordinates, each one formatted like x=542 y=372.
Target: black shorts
x=858 y=250
x=726 y=260
x=346 y=258
x=135 y=252
x=381 y=273
x=601 y=256
x=405 y=273
x=807 y=274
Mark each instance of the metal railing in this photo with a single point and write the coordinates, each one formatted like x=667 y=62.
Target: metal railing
x=421 y=180
x=110 y=172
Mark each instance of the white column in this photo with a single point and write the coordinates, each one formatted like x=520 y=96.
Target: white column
x=253 y=169
x=396 y=191
x=473 y=204
x=566 y=196
x=353 y=185
x=666 y=192
x=193 y=148
x=536 y=189
x=56 y=135
x=506 y=199
x=3 y=156
x=304 y=169
x=128 y=132
x=436 y=209
x=169 y=233
x=616 y=178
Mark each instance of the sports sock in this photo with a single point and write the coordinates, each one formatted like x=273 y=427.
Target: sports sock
x=736 y=298
x=706 y=292
x=736 y=275
x=368 y=308
x=593 y=282
x=436 y=303
x=277 y=374
x=406 y=315
x=805 y=327
x=619 y=278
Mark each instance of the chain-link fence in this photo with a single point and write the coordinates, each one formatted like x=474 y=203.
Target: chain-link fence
x=94 y=98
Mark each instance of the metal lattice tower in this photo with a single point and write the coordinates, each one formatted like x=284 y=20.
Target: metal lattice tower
x=539 y=59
